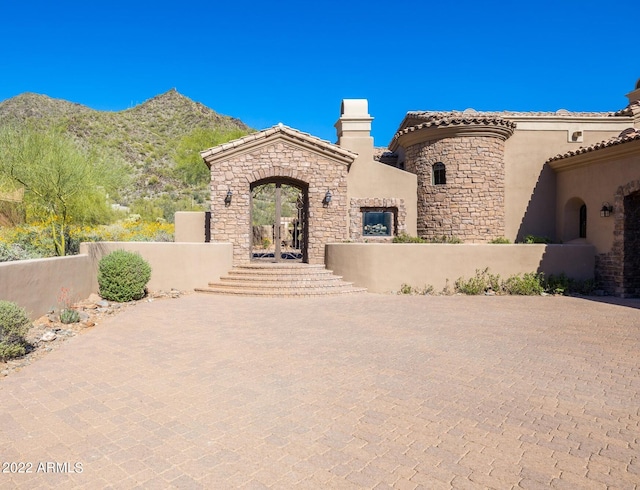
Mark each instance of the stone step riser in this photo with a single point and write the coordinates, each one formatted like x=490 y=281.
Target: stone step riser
x=279 y=266
x=278 y=286
x=293 y=280
x=299 y=293
x=256 y=272
x=275 y=279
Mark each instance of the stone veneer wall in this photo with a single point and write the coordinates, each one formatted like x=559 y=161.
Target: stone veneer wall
x=283 y=160
x=378 y=203
x=610 y=266
x=470 y=205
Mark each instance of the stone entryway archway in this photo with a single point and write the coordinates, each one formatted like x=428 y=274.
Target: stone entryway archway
x=279 y=224
x=285 y=155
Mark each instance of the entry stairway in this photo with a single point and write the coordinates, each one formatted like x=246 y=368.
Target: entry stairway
x=281 y=279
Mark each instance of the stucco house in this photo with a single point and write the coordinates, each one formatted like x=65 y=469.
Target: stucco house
x=476 y=176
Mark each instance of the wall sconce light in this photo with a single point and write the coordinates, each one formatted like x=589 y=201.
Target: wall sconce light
x=227 y=198
x=327 y=199
x=606 y=210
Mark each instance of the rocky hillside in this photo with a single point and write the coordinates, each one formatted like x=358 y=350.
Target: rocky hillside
x=144 y=137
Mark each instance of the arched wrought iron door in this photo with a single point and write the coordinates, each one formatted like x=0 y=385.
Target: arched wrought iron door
x=279 y=221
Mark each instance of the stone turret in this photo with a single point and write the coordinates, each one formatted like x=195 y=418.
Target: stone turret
x=458 y=158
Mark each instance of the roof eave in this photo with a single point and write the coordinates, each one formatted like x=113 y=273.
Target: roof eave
x=255 y=140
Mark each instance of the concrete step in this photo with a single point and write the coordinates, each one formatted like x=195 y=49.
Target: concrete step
x=302 y=292
x=290 y=285
x=278 y=279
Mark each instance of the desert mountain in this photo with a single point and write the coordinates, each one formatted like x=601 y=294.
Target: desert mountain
x=144 y=136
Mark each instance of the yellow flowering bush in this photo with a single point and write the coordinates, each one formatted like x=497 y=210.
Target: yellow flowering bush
x=34 y=240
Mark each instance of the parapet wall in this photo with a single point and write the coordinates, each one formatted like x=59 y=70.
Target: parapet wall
x=386 y=267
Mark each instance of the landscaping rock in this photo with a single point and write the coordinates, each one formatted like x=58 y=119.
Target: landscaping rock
x=93 y=298
x=48 y=336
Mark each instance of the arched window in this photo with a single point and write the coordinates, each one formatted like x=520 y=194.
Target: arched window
x=583 y=221
x=439 y=174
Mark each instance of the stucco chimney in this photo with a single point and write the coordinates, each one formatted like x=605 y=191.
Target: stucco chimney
x=354 y=128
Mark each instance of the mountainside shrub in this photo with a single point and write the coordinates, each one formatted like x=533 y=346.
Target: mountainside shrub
x=123 y=276
x=14 y=325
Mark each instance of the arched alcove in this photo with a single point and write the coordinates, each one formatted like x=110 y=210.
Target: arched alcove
x=575 y=220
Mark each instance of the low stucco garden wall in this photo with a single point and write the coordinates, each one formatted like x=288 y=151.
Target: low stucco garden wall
x=386 y=267
x=181 y=266
x=36 y=284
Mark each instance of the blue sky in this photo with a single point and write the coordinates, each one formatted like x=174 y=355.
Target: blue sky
x=294 y=61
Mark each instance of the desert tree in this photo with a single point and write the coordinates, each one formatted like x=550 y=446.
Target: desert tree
x=63 y=183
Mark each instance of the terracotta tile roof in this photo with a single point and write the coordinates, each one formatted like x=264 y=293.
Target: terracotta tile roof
x=294 y=134
x=632 y=110
x=455 y=118
x=473 y=113
x=629 y=134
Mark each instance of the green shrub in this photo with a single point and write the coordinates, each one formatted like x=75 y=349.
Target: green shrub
x=500 y=240
x=445 y=239
x=479 y=284
x=69 y=315
x=557 y=284
x=407 y=289
x=527 y=284
x=405 y=238
x=123 y=276
x=536 y=239
x=561 y=284
x=16 y=251
x=14 y=325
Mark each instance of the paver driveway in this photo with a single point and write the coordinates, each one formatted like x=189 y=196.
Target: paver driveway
x=367 y=391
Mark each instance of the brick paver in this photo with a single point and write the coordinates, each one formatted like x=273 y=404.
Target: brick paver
x=365 y=391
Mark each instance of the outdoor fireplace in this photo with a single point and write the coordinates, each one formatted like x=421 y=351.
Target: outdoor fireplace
x=377 y=223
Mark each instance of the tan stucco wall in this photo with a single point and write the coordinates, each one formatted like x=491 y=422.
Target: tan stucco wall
x=368 y=178
x=36 y=284
x=530 y=185
x=385 y=267
x=189 y=226
x=595 y=182
x=182 y=266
